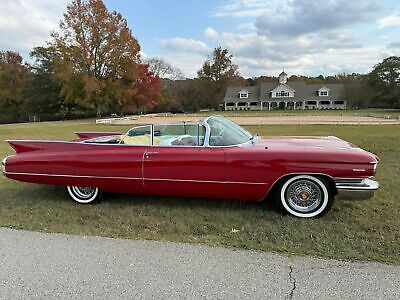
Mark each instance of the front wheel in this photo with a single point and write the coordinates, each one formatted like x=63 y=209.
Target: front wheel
x=84 y=195
x=306 y=196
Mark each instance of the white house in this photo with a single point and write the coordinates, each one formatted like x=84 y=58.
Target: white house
x=284 y=95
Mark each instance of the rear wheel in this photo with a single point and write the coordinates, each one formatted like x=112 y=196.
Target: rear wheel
x=306 y=196
x=84 y=195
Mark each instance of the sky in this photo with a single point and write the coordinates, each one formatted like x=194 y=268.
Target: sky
x=308 y=37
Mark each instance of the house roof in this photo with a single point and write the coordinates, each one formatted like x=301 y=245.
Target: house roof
x=232 y=93
x=303 y=91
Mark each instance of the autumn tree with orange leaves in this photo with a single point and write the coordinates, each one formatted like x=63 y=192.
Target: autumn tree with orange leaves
x=98 y=62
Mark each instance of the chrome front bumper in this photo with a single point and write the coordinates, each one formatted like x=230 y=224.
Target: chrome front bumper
x=3 y=165
x=355 y=189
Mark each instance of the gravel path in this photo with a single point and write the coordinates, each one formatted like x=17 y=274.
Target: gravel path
x=57 y=266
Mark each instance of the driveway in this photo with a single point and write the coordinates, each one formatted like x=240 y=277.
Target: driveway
x=40 y=265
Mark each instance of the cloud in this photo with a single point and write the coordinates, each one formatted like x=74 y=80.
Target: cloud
x=188 y=63
x=393 y=45
x=179 y=44
x=211 y=33
x=252 y=45
x=247 y=26
x=307 y=16
x=329 y=63
x=390 y=20
x=392 y=49
x=25 y=24
x=242 y=8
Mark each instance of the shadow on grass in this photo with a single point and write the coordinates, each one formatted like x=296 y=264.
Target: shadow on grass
x=57 y=195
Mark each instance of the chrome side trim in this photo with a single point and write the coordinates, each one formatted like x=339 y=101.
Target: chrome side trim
x=73 y=176
x=136 y=178
x=204 y=181
x=355 y=188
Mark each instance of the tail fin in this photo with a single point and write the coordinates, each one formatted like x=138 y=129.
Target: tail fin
x=25 y=146
x=89 y=135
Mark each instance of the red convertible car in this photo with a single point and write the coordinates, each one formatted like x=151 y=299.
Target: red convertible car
x=213 y=158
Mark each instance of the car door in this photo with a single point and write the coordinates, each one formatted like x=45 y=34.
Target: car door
x=182 y=170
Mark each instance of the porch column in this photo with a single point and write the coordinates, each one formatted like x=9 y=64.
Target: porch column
x=261 y=105
x=304 y=105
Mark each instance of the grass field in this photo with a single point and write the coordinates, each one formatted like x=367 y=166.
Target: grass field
x=368 y=230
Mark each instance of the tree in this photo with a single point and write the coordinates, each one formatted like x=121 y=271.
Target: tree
x=357 y=92
x=219 y=67
x=139 y=89
x=13 y=76
x=162 y=69
x=217 y=72
x=42 y=91
x=385 y=78
x=95 y=50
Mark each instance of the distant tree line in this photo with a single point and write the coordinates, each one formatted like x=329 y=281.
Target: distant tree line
x=379 y=88
x=92 y=67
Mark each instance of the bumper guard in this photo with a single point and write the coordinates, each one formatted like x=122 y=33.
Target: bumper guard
x=355 y=189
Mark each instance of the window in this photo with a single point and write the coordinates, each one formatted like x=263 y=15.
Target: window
x=184 y=134
x=230 y=104
x=243 y=95
x=323 y=93
x=242 y=104
x=253 y=103
x=282 y=94
x=311 y=102
x=340 y=102
x=325 y=102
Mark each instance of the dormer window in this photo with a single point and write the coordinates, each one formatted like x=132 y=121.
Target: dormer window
x=243 y=94
x=323 y=92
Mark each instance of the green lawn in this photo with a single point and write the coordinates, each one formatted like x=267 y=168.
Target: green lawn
x=368 y=230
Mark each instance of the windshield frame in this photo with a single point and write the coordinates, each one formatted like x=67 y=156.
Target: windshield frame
x=251 y=138
x=206 y=144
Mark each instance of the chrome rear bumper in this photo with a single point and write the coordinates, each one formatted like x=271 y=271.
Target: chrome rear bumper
x=355 y=189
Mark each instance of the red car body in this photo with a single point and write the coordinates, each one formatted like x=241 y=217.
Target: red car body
x=244 y=172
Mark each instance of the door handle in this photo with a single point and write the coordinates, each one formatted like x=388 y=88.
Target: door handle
x=148 y=154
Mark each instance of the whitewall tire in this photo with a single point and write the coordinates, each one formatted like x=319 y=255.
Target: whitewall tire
x=306 y=196
x=84 y=195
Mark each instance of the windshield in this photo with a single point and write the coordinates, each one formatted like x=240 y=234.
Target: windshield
x=226 y=133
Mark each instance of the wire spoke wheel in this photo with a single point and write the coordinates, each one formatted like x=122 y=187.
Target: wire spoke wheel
x=84 y=194
x=306 y=196
x=303 y=195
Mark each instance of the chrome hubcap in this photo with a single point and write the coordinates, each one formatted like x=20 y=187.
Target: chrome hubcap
x=84 y=192
x=303 y=195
